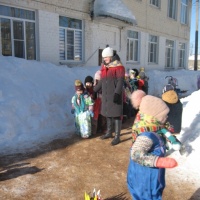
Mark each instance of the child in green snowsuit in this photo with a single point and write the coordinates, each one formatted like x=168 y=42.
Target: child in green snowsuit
x=82 y=107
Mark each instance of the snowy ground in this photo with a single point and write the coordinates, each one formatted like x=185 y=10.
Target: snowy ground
x=35 y=105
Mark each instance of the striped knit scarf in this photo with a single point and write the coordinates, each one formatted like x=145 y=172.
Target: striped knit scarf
x=145 y=123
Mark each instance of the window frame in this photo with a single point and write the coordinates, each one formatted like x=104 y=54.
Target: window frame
x=184 y=12
x=75 y=45
x=155 y=3
x=172 y=9
x=182 y=55
x=171 y=51
x=11 y=17
x=153 y=55
x=136 y=46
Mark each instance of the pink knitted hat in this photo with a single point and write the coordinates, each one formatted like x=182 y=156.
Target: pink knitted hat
x=136 y=98
x=97 y=75
x=154 y=107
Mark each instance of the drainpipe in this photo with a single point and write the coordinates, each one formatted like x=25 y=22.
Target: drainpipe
x=196 y=37
x=120 y=38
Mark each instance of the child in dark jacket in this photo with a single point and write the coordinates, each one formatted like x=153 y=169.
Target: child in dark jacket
x=89 y=85
x=146 y=171
x=170 y=97
x=133 y=81
x=143 y=80
x=126 y=98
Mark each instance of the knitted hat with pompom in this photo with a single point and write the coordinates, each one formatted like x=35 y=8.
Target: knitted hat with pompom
x=136 y=98
x=170 y=97
x=89 y=79
x=169 y=94
x=107 y=52
x=97 y=75
x=154 y=107
x=78 y=85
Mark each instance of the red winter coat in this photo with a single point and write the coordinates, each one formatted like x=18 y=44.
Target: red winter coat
x=112 y=80
x=140 y=84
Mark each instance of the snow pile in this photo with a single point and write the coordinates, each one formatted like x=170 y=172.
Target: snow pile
x=35 y=101
x=115 y=9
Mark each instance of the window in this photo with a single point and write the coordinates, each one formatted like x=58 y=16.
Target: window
x=184 y=11
x=153 y=49
x=155 y=3
x=172 y=8
x=71 y=37
x=132 y=46
x=169 y=54
x=182 y=51
x=18 y=32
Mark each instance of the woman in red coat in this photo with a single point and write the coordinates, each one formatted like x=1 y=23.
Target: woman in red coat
x=111 y=84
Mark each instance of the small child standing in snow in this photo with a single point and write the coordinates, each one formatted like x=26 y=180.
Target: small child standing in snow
x=172 y=100
x=127 y=108
x=143 y=80
x=89 y=82
x=146 y=171
x=164 y=129
x=82 y=107
x=133 y=81
x=89 y=85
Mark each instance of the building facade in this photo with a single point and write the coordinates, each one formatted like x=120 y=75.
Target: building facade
x=65 y=32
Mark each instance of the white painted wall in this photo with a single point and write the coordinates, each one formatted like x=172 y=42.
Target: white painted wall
x=48 y=36
x=98 y=34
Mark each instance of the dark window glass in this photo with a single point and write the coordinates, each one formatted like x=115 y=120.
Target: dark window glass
x=17 y=12
x=6 y=37
x=19 y=49
x=30 y=41
x=70 y=23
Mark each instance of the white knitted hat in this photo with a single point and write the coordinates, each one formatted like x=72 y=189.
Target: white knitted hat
x=107 y=52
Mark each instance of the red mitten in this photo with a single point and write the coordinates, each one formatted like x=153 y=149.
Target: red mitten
x=166 y=162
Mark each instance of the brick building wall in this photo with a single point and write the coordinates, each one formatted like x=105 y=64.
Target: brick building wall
x=48 y=29
x=97 y=34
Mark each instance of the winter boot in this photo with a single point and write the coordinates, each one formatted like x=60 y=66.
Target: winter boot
x=116 y=139
x=94 y=126
x=109 y=129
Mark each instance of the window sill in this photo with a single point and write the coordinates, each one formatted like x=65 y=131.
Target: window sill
x=172 y=19
x=71 y=63
x=155 y=7
x=169 y=68
x=133 y=62
x=150 y=63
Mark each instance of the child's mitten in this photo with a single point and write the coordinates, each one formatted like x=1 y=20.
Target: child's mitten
x=91 y=113
x=72 y=110
x=117 y=98
x=166 y=162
